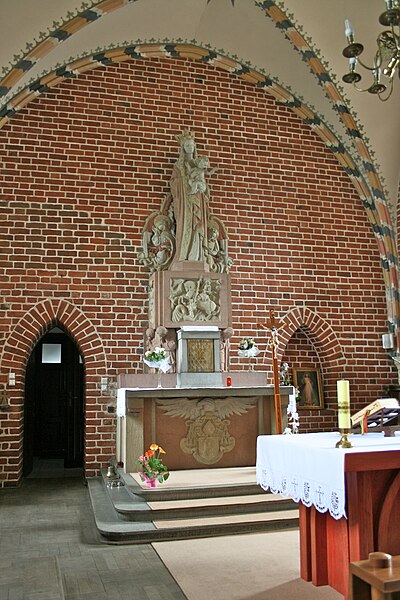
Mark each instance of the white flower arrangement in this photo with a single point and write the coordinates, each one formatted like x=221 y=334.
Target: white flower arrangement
x=248 y=348
x=155 y=355
x=157 y=359
x=293 y=415
x=284 y=375
x=246 y=343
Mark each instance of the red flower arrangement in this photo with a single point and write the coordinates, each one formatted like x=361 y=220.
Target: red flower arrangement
x=152 y=465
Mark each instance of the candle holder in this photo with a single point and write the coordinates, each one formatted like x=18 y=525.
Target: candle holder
x=344 y=442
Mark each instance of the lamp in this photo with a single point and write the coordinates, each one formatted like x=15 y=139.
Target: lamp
x=386 y=59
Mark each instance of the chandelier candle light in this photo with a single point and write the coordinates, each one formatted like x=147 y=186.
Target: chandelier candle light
x=343 y=394
x=387 y=56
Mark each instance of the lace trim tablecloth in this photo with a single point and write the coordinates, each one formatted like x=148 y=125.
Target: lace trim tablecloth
x=309 y=468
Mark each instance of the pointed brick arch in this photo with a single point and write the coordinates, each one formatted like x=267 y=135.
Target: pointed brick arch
x=16 y=352
x=40 y=319
x=319 y=332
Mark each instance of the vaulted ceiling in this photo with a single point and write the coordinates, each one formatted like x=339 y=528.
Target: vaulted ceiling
x=292 y=48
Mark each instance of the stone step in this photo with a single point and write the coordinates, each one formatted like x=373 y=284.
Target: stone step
x=123 y=516
x=231 y=518
x=132 y=505
x=197 y=483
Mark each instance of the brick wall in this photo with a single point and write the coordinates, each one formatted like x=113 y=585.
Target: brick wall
x=83 y=166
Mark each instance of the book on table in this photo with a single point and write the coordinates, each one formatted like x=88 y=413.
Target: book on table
x=381 y=411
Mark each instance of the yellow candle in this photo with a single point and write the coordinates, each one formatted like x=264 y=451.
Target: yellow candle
x=343 y=394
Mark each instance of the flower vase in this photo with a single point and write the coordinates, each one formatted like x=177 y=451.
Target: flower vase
x=159 y=378
x=151 y=482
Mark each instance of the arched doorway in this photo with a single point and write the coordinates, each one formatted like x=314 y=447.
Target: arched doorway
x=53 y=411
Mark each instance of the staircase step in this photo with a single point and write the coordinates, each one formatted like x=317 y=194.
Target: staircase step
x=168 y=510
x=132 y=506
x=219 y=500
x=126 y=517
x=252 y=518
x=198 y=483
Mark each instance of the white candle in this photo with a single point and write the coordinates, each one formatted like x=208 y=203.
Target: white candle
x=348 y=30
x=343 y=394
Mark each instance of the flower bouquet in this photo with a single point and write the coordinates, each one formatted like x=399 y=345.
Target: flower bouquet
x=293 y=415
x=153 y=470
x=157 y=359
x=248 y=348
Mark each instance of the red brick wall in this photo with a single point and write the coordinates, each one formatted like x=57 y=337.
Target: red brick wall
x=84 y=165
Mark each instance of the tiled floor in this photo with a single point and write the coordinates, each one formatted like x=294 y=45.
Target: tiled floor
x=50 y=549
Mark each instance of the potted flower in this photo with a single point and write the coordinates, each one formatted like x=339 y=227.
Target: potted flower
x=248 y=348
x=157 y=359
x=153 y=470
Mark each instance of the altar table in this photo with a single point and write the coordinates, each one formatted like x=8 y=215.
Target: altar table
x=349 y=498
x=190 y=422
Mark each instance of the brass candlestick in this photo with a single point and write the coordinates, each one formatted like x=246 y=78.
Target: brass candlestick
x=344 y=441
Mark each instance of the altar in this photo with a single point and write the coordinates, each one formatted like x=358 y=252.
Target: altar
x=198 y=427
x=349 y=498
x=203 y=413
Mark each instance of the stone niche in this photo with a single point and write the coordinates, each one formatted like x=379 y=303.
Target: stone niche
x=198 y=356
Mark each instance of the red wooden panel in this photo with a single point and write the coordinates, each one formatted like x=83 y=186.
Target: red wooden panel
x=389 y=519
x=360 y=514
x=319 y=565
x=337 y=554
x=305 y=542
x=372 y=461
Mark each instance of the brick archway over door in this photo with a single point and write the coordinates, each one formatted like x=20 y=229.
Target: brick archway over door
x=33 y=325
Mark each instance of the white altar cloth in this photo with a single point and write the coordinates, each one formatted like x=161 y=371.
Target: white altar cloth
x=309 y=468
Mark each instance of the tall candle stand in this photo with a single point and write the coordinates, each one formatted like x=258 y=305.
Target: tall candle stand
x=343 y=392
x=344 y=442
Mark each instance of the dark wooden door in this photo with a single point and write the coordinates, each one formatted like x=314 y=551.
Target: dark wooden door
x=54 y=402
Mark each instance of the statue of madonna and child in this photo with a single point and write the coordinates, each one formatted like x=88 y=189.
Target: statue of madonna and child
x=184 y=229
x=196 y=233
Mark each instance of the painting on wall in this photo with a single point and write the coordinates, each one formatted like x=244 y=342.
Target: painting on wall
x=308 y=381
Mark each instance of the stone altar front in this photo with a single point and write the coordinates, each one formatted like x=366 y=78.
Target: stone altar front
x=199 y=427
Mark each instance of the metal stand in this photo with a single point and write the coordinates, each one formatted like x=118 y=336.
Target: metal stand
x=344 y=442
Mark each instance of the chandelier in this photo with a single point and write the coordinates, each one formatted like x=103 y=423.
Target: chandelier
x=387 y=57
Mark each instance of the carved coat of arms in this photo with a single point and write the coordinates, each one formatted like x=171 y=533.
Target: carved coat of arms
x=208 y=437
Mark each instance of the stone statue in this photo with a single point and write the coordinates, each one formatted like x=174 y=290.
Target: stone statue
x=184 y=229
x=156 y=338
x=190 y=194
x=158 y=244
x=216 y=251
x=224 y=348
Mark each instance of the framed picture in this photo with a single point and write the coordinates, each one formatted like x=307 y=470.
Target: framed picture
x=308 y=381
